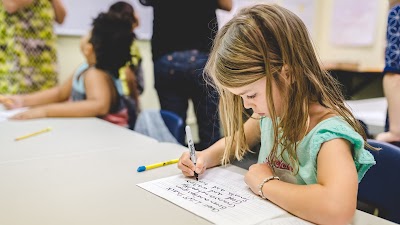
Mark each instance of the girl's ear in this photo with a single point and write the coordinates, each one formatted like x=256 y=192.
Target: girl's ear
x=88 y=49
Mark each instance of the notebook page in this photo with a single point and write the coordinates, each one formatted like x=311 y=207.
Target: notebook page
x=220 y=196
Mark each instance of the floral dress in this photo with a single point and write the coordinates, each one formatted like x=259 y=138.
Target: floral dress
x=28 y=59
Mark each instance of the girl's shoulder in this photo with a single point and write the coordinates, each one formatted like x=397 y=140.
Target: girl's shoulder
x=96 y=74
x=337 y=128
x=333 y=128
x=333 y=124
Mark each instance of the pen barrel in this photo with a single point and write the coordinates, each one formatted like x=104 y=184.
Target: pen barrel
x=156 y=165
x=169 y=162
x=191 y=144
x=193 y=157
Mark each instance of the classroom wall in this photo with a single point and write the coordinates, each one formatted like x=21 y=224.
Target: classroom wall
x=370 y=57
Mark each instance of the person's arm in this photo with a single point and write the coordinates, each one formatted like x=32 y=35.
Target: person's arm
x=53 y=95
x=225 y=4
x=97 y=102
x=13 y=6
x=59 y=11
x=331 y=201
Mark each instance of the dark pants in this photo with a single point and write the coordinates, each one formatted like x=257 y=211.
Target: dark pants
x=178 y=78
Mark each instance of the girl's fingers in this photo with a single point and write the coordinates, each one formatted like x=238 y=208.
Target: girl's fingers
x=200 y=166
x=186 y=165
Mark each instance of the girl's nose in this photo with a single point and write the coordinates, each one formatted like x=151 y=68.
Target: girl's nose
x=247 y=104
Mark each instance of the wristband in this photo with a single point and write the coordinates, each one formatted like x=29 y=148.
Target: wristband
x=260 y=187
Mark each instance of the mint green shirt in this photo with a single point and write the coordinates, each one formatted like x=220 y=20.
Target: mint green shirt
x=309 y=146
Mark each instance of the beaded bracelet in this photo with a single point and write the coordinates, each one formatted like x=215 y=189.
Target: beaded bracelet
x=260 y=187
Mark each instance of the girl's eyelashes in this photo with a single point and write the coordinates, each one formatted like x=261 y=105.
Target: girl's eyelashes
x=251 y=96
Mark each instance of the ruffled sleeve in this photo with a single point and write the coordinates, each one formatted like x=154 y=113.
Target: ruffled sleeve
x=363 y=159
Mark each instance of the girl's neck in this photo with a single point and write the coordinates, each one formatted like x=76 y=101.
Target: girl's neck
x=318 y=113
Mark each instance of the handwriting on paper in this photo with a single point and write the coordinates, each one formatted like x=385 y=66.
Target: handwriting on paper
x=210 y=196
x=220 y=196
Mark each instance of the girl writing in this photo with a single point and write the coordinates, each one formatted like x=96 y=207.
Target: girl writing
x=312 y=152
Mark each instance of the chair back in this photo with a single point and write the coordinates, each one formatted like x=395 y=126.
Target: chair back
x=380 y=187
x=175 y=125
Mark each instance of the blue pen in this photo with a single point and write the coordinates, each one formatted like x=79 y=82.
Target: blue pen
x=191 y=148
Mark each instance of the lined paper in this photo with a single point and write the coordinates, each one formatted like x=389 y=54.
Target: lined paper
x=220 y=196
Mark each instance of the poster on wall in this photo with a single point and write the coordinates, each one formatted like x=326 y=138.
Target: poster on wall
x=354 y=22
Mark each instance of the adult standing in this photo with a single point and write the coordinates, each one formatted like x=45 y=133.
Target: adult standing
x=28 y=58
x=183 y=32
x=391 y=79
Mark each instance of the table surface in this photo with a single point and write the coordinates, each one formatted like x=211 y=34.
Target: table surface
x=84 y=172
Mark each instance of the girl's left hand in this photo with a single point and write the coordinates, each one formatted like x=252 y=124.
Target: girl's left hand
x=30 y=114
x=256 y=174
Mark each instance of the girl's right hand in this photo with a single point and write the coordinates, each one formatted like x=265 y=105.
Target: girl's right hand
x=12 y=101
x=188 y=167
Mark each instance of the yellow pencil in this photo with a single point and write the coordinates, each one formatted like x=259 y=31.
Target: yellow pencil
x=33 y=134
x=156 y=165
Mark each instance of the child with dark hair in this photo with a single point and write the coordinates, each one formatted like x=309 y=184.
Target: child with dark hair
x=94 y=88
x=131 y=74
x=126 y=10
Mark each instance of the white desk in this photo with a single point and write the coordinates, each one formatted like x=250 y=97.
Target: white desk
x=83 y=172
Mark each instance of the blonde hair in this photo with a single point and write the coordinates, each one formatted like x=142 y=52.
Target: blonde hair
x=257 y=43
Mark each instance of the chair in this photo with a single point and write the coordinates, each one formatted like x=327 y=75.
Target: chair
x=381 y=184
x=175 y=125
